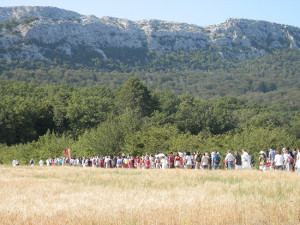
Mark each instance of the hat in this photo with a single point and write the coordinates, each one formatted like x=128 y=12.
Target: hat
x=262 y=152
x=283 y=149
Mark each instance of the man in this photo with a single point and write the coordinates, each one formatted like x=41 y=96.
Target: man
x=237 y=161
x=229 y=159
x=272 y=154
x=171 y=160
x=215 y=160
x=197 y=160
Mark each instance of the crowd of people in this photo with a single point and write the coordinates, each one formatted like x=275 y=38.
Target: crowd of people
x=271 y=160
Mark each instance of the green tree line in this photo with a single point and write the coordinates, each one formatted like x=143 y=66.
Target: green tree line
x=39 y=121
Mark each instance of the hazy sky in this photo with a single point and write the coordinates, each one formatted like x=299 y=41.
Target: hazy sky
x=200 y=12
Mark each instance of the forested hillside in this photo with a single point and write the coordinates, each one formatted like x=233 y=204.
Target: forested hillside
x=271 y=79
x=39 y=121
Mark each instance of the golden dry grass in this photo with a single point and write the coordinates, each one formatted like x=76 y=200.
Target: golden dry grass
x=65 y=195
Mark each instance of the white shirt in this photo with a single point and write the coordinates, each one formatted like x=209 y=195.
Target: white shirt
x=188 y=160
x=164 y=163
x=245 y=157
x=229 y=157
x=278 y=160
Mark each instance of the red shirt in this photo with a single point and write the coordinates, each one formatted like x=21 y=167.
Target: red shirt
x=147 y=163
x=171 y=159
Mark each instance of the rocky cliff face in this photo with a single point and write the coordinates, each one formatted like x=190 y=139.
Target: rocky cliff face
x=37 y=32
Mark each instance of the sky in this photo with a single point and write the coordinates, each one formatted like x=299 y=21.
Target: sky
x=199 y=12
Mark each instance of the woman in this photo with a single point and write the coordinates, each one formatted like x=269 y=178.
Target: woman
x=246 y=160
x=279 y=160
x=147 y=162
x=177 y=160
x=262 y=161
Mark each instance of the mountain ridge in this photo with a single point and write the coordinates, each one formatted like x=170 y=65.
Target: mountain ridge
x=39 y=33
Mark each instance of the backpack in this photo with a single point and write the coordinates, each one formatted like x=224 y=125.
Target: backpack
x=291 y=160
x=218 y=159
x=198 y=158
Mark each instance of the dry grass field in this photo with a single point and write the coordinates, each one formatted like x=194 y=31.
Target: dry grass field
x=66 y=195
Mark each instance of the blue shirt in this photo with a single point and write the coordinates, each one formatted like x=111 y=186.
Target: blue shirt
x=214 y=159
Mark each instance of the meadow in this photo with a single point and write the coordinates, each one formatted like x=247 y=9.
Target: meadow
x=69 y=195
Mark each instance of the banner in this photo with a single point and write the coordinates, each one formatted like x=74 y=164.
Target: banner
x=68 y=153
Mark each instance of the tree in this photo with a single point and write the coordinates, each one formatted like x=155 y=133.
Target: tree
x=135 y=96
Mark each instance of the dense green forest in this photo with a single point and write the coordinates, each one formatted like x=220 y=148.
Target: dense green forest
x=40 y=120
x=271 y=79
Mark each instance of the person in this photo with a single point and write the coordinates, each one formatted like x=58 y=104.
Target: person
x=101 y=162
x=188 y=160
x=164 y=163
x=41 y=163
x=107 y=162
x=272 y=154
x=171 y=160
x=205 y=161
x=31 y=162
x=262 y=161
x=125 y=162
x=132 y=162
x=157 y=162
x=137 y=162
x=147 y=162
x=83 y=162
x=287 y=160
x=177 y=161
x=245 y=160
x=279 y=160
x=229 y=159
x=294 y=155
x=151 y=159
x=48 y=162
x=297 y=164
x=119 y=162
x=215 y=160
x=197 y=160
x=237 y=161
x=114 y=162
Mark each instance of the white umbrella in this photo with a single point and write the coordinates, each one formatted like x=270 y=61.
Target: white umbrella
x=160 y=155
